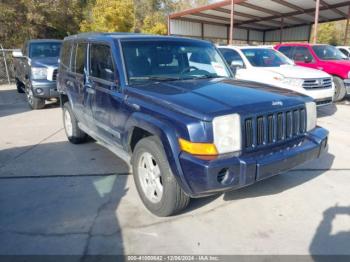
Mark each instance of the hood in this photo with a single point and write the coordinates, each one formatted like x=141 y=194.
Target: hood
x=44 y=62
x=293 y=71
x=206 y=99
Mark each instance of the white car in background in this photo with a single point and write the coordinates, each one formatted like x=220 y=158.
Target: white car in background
x=268 y=66
x=345 y=50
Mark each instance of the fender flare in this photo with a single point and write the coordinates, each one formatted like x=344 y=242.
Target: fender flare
x=167 y=135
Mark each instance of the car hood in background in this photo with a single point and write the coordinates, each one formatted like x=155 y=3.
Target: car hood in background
x=205 y=99
x=44 y=62
x=293 y=71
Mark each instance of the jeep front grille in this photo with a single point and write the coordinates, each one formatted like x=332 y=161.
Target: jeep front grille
x=317 y=83
x=272 y=128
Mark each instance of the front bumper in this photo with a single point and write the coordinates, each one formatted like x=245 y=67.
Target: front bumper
x=205 y=177
x=44 y=88
x=347 y=85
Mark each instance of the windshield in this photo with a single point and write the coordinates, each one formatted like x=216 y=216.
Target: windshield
x=265 y=57
x=328 y=52
x=42 y=50
x=172 y=60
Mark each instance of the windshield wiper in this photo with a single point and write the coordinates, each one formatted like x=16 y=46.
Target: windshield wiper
x=155 y=78
x=202 y=77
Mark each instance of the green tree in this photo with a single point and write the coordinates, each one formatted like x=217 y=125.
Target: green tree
x=154 y=24
x=26 y=19
x=110 y=16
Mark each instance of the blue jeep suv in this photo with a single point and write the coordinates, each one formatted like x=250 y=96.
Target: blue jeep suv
x=170 y=106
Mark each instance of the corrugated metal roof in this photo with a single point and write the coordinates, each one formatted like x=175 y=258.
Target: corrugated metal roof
x=266 y=15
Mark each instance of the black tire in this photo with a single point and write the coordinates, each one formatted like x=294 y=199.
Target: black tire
x=20 y=86
x=340 y=90
x=173 y=198
x=33 y=101
x=76 y=136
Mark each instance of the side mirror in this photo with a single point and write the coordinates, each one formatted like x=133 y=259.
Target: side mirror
x=17 y=54
x=235 y=65
x=308 y=59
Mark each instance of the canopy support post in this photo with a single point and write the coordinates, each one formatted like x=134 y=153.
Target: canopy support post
x=281 y=29
x=231 y=22
x=347 y=27
x=317 y=14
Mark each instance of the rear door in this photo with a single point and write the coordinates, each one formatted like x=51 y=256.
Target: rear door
x=107 y=111
x=76 y=79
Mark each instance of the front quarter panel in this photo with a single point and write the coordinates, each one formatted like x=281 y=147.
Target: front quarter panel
x=168 y=136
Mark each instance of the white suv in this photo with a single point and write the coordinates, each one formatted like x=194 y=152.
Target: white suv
x=268 y=66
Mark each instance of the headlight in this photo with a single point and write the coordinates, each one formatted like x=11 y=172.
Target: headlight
x=311 y=115
x=39 y=73
x=227 y=133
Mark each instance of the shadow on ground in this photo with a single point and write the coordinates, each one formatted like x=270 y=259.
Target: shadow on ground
x=327 y=110
x=326 y=243
x=11 y=103
x=69 y=214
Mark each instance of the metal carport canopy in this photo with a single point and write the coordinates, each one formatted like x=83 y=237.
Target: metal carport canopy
x=257 y=20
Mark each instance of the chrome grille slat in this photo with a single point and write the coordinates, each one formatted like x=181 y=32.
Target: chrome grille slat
x=317 y=83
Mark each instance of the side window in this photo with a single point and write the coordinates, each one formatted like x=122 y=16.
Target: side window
x=286 y=50
x=302 y=54
x=344 y=51
x=79 y=58
x=101 y=62
x=65 y=55
x=231 y=56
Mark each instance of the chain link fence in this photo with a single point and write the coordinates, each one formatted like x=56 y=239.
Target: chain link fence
x=7 y=74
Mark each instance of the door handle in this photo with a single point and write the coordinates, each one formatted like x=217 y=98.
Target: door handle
x=134 y=106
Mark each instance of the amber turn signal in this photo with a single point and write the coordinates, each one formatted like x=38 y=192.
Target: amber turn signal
x=203 y=149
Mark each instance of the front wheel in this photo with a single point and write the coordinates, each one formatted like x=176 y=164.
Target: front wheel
x=340 y=90
x=155 y=182
x=33 y=101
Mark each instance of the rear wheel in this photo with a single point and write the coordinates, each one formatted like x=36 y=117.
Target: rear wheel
x=340 y=90
x=155 y=182
x=74 y=134
x=33 y=101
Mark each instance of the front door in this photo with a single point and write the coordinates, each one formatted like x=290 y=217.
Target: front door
x=107 y=105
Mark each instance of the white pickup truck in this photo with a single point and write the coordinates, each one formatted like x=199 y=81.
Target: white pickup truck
x=268 y=66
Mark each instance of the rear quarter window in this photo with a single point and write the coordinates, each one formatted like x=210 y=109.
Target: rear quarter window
x=79 y=57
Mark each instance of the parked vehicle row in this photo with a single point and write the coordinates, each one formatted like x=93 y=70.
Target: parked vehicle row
x=170 y=107
x=268 y=66
x=322 y=57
